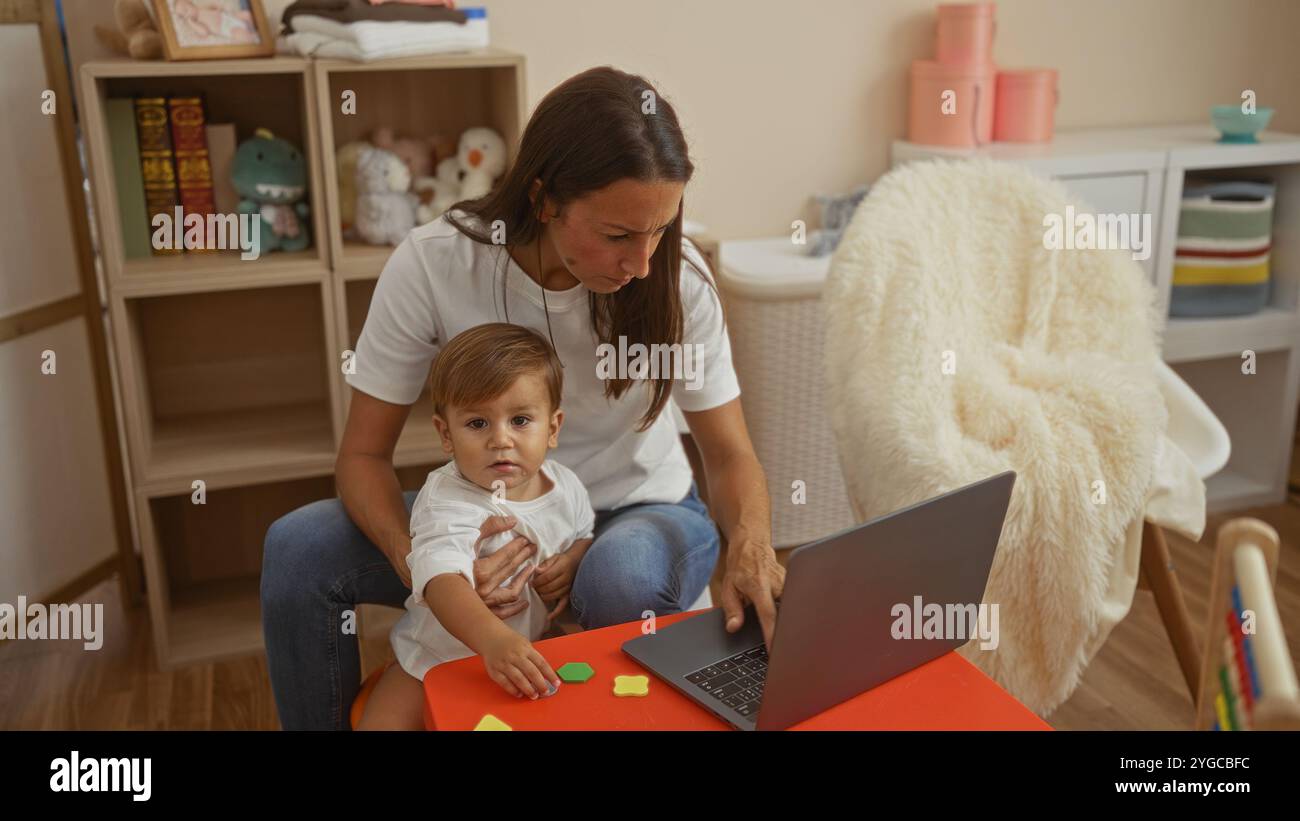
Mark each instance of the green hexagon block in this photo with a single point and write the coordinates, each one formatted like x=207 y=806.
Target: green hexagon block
x=575 y=672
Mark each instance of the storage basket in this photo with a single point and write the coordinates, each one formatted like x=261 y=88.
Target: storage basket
x=772 y=294
x=1221 y=262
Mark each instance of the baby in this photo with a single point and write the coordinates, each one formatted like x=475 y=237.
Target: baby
x=496 y=394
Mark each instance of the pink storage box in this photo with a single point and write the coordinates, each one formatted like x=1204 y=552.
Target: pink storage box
x=973 y=88
x=1025 y=105
x=965 y=33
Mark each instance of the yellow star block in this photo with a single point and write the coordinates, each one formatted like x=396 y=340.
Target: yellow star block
x=631 y=685
x=491 y=722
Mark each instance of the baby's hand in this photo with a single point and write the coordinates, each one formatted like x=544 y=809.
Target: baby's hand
x=512 y=662
x=554 y=577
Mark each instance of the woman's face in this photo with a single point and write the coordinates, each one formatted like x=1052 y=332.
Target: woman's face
x=607 y=237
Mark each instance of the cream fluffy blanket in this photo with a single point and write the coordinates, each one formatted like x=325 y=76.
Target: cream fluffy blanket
x=957 y=347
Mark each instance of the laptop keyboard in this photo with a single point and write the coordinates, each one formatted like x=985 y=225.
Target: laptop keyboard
x=736 y=681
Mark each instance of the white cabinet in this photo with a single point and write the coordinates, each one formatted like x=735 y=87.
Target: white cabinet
x=1142 y=171
x=1111 y=193
x=1124 y=193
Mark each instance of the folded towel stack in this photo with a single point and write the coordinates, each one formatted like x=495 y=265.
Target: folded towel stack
x=354 y=30
x=1221 y=261
x=356 y=11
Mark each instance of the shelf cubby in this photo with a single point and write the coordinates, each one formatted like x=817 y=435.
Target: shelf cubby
x=1284 y=255
x=1252 y=406
x=1278 y=324
x=205 y=561
x=229 y=383
x=283 y=102
x=440 y=95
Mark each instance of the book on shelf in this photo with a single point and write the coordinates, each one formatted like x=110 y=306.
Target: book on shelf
x=190 y=148
x=119 y=117
x=156 y=164
x=221 y=156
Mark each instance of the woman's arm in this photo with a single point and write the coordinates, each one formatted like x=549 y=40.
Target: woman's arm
x=367 y=481
x=738 y=501
x=367 y=484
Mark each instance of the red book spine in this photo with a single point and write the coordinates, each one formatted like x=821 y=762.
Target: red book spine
x=156 y=165
x=190 y=144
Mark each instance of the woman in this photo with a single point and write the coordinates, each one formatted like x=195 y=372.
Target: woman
x=581 y=240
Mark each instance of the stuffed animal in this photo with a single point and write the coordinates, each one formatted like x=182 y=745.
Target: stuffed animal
x=136 y=34
x=345 y=164
x=417 y=152
x=437 y=194
x=271 y=177
x=385 y=205
x=482 y=157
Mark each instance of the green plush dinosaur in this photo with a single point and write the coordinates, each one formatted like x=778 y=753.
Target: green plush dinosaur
x=271 y=177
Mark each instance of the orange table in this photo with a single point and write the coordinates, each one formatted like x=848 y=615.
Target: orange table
x=948 y=693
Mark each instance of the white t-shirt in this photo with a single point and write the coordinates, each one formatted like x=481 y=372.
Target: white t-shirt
x=439 y=282
x=445 y=523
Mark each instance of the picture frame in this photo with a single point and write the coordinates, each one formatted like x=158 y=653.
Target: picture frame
x=213 y=29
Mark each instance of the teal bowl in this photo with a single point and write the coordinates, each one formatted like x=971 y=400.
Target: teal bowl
x=1236 y=126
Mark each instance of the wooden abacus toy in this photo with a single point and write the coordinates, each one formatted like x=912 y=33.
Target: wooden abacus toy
x=1248 y=681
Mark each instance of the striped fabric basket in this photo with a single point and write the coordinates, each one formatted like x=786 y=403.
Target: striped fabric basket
x=1221 y=261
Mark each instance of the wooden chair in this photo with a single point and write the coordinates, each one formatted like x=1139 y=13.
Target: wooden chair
x=1195 y=430
x=1157 y=575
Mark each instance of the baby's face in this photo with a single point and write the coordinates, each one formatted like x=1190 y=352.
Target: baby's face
x=505 y=439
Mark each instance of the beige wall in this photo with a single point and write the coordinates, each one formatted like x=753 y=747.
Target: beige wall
x=784 y=99
x=779 y=103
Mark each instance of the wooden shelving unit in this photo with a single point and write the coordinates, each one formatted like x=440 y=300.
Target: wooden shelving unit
x=1143 y=170
x=230 y=370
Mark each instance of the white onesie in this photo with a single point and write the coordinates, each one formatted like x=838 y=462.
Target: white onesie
x=445 y=523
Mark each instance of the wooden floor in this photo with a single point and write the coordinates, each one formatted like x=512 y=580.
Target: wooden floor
x=1133 y=683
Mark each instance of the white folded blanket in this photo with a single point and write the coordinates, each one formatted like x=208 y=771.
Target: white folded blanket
x=372 y=40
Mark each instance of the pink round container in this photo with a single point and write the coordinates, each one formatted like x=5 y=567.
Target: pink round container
x=965 y=33
x=1025 y=105
x=951 y=104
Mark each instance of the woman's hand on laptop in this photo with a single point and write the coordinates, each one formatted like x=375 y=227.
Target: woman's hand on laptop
x=753 y=576
x=491 y=571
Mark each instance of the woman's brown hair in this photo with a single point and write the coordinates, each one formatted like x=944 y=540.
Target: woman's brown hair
x=594 y=129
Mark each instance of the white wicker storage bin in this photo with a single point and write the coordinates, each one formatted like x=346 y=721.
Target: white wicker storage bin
x=772 y=293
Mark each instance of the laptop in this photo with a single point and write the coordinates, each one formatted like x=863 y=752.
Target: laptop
x=845 y=599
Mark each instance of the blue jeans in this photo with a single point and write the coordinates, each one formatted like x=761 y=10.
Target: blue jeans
x=317 y=564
